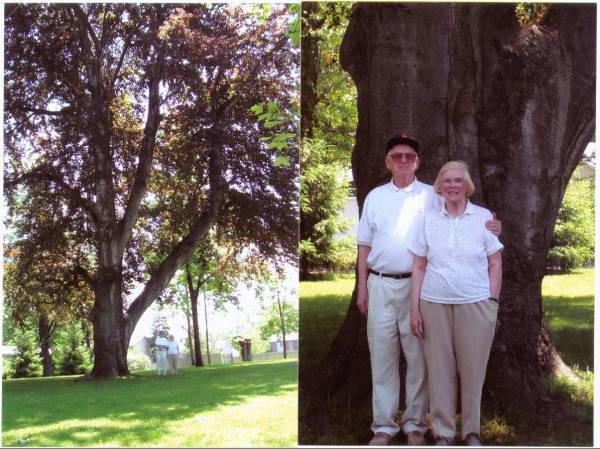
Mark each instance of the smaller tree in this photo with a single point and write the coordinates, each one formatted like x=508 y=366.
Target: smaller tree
x=245 y=345
x=74 y=357
x=159 y=323
x=573 y=241
x=323 y=195
x=27 y=362
x=282 y=318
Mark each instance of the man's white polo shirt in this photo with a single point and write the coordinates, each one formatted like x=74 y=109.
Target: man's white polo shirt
x=457 y=249
x=161 y=341
x=390 y=219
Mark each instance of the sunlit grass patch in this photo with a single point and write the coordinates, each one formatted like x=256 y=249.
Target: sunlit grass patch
x=495 y=430
x=250 y=404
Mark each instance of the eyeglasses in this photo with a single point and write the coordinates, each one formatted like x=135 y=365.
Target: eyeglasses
x=401 y=157
x=449 y=181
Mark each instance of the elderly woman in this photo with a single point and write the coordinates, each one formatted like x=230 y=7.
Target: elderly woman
x=455 y=287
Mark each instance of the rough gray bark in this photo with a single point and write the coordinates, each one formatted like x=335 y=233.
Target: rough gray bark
x=518 y=106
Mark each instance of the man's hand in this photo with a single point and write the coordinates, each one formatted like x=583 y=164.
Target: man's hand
x=363 y=301
x=494 y=225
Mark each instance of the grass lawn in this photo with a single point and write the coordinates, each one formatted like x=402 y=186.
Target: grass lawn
x=241 y=405
x=569 y=311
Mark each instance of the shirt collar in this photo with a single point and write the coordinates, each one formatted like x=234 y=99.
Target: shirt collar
x=407 y=189
x=469 y=210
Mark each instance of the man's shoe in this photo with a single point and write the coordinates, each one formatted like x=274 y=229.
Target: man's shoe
x=473 y=439
x=444 y=441
x=380 y=439
x=415 y=438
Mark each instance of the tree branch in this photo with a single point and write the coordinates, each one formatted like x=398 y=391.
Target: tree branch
x=120 y=63
x=83 y=20
x=182 y=251
x=190 y=281
x=139 y=188
x=74 y=194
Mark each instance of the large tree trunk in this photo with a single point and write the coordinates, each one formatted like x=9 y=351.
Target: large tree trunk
x=518 y=106
x=111 y=338
x=45 y=331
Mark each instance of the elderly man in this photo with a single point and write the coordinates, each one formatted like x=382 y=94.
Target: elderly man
x=161 y=344
x=391 y=216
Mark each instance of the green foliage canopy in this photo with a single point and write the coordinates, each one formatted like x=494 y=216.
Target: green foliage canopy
x=573 y=241
x=323 y=195
x=273 y=324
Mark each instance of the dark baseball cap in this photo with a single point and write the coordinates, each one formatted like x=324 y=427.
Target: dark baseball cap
x=402 y=139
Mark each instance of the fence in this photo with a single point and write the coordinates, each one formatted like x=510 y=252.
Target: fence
x=224 y=359
x=216 y=358
x=273 y=356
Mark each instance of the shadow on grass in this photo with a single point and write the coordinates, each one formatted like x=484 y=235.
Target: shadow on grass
x=135 y=410
x=569 y=320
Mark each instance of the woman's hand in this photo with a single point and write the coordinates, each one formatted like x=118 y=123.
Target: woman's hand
x=494 y=225
x=416 y=322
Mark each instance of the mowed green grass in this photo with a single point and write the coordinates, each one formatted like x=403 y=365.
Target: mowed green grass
x=241 y=405
x=323 y=306
x=569 y=311
x=568 y=306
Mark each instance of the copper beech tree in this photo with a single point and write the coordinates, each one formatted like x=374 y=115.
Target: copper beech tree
x=135 y=119
x=513 y=99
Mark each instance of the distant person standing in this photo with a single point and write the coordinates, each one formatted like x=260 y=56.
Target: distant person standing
x=173 y=354
x=161 y=345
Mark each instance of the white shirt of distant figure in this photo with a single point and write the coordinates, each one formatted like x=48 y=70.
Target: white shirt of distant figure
x=173 y=348
x=161 y=343
x=173 y=354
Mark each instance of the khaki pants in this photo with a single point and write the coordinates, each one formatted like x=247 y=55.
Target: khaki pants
x=173 y=362
x=388 y=327
x=457 y=345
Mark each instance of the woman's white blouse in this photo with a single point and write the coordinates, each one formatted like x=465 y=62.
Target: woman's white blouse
x=457 y=249
x=173 y=347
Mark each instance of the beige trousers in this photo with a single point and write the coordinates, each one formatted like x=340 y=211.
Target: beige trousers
x=388 y=327
x=173 y=362
x=457 y=345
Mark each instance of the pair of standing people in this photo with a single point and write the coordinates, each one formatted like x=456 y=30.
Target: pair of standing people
x=166 y=350
x=444 y=317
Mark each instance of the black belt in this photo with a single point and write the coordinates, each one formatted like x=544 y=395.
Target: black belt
x=389 y=275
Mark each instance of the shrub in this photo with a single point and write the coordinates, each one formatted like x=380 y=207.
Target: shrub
x=74 y=356
x=137 y=360
x=573 y=240
x=26 y=362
